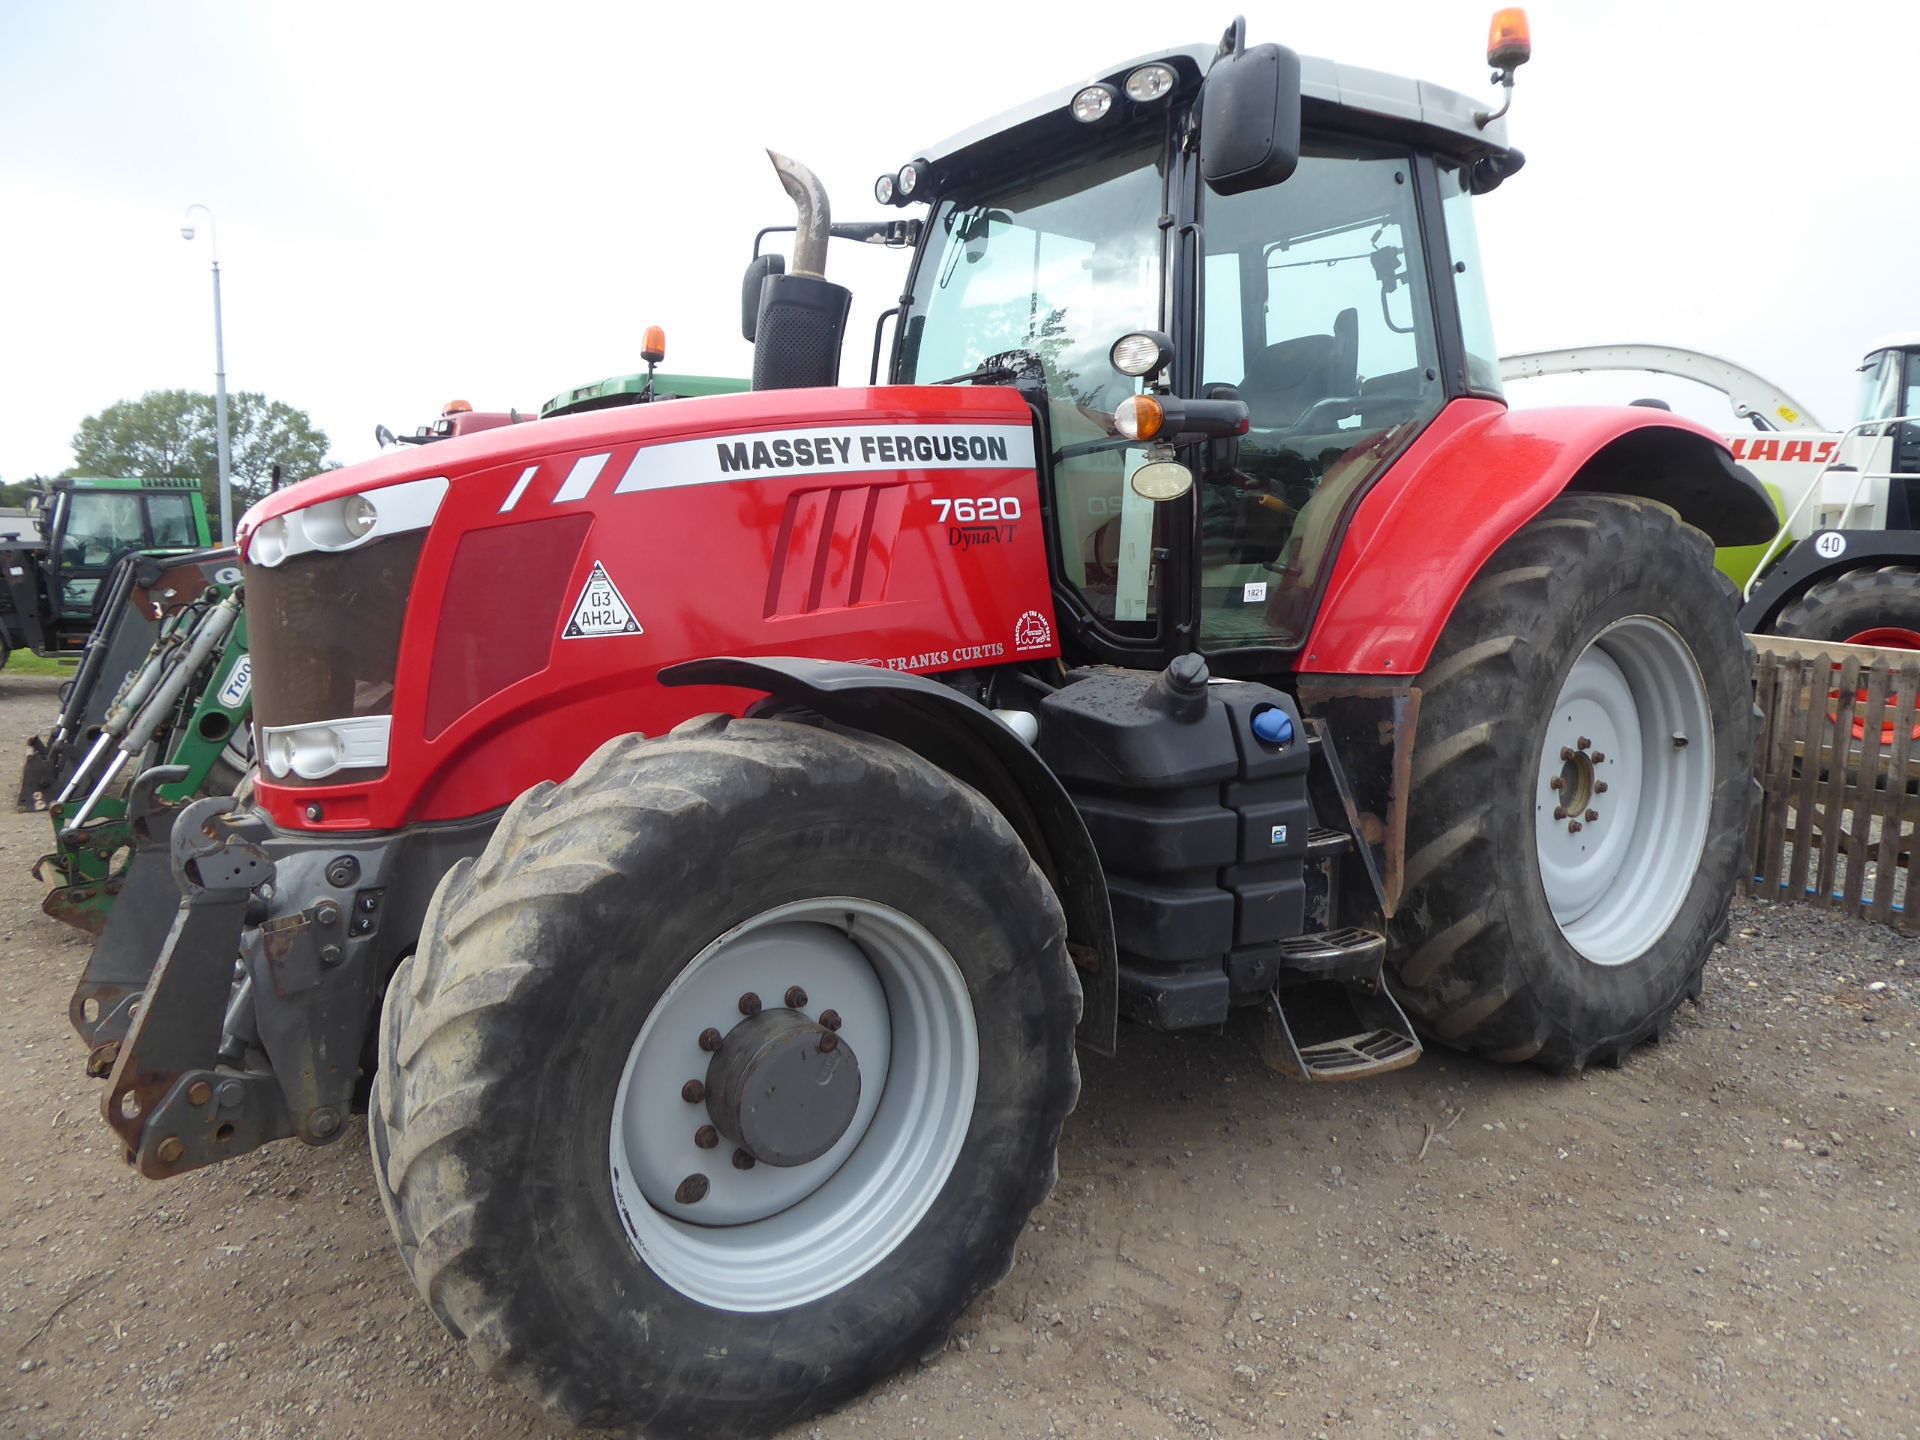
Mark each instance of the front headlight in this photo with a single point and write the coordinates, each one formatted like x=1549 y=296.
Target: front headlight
x=348 y=521
x=268 y=545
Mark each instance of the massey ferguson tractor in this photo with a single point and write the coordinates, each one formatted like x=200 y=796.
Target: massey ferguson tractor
x=698 y=834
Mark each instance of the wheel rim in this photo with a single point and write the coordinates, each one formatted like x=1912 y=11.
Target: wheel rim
x=1887 y=637
x=1625 y=788
x=780 y=1234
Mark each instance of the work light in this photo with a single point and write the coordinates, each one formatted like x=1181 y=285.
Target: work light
x=883 y=189
x=1142 y=353
x=1150 y=83
x=1092 y=103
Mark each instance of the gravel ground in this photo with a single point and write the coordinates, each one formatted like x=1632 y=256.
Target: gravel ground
x=1711 y=1241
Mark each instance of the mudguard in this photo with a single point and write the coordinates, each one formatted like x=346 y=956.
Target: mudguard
x=1807 y=563
x=1475 y=476
x=965 y=739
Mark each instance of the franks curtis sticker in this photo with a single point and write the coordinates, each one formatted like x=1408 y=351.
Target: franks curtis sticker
x=600 y=610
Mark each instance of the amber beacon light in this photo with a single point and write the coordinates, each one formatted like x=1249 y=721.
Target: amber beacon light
x=1509 y=44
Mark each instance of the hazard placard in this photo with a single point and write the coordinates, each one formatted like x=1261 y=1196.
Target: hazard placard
x=601 y=610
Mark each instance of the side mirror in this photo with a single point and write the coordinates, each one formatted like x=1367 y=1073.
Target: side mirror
x=1249 y=115
x=758 y=270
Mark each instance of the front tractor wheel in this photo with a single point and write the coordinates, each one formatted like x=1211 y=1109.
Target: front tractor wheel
x=1580 y=790
x=727 y=1077
x=1878 y=605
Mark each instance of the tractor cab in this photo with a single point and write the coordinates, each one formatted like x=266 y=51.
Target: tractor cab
x=87 y=526
x=1283 y=330
x=1889 y=397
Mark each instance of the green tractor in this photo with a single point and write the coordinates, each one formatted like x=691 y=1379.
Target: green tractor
x=85 y=526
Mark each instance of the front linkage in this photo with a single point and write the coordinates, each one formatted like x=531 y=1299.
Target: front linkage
x=243 y=975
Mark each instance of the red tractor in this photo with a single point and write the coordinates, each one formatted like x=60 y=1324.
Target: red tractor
x=702 y=846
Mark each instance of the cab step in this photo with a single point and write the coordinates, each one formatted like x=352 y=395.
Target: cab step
x=1331 y=1017
x=1324 y=844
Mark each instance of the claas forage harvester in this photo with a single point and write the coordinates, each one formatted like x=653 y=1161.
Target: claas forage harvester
x=696 y=833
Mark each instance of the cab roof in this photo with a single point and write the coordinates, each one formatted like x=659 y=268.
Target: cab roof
x=1371 y=97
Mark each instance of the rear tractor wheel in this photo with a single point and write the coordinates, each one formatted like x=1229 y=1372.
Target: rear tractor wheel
x=726 y=1078
x=1580 y=790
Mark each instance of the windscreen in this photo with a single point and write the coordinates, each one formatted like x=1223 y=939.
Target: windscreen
x=1060 y=266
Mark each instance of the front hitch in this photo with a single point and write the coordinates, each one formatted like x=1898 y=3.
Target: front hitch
x=166 y=1099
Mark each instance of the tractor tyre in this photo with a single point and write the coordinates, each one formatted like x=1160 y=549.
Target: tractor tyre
x=1580 y=789
x=727 y=1077
x=1877 y=605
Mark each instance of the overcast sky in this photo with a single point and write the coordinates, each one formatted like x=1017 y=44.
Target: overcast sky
x=420 y=201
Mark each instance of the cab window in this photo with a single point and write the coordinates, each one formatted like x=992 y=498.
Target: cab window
x=1056 y=267
x=1317 y=311
x=171 y=517
x=100 y=525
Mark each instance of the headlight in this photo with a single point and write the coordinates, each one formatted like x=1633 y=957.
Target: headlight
x=278 y=753
x=1149 y=83
x=1142 y=353
x=909 y=178
x=350 y=520
x=357 y=514
x=268 y=545
x=1092 y=103
x=883 y=189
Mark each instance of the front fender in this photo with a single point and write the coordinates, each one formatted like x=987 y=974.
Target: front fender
x=1478 y=474
x=965 y=739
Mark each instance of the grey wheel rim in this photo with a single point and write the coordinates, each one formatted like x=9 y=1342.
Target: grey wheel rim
x=774 y=1235
x=1624 y=790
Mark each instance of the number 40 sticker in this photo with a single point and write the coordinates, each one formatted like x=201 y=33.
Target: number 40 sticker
x=1830 y=544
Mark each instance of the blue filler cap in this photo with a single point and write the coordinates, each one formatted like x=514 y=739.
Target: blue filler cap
x=1273 y=727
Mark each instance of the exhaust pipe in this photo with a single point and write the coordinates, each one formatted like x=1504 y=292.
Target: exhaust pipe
x=803 y=316
x=814 y=220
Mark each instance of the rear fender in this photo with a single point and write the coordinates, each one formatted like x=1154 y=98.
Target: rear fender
x=965 y=739
x=1803 y=566
x=1477 y=475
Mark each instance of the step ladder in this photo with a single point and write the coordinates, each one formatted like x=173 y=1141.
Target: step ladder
x=1330 y=1016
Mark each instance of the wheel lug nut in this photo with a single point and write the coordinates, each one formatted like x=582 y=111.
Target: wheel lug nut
x=796 y=998
x=1582 y=743
x=1559 y=812
x=749 y=1004
x=1573 y=827
x=1593 y=815
x=1598 y=758
x=691 y=1191
x=711 y=1040
x=693 y=1092
x=830 y=1019
x=829 y=1043
x=1555 y=783
x=706 y=1137
x=1599 y=787
x=742 y=1160
x=1566 y=753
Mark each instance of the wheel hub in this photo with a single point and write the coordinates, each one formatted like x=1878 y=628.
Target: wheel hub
x=783 y=1088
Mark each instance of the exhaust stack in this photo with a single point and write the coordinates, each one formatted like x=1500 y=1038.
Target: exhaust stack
x=814 y=215
x=802 y=317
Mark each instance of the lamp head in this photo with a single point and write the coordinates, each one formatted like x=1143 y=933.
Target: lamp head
x=186 y=232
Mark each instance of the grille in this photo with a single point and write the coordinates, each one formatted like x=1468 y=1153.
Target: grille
x=325 y=631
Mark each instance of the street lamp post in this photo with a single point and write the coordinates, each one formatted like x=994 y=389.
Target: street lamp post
x=219 y=372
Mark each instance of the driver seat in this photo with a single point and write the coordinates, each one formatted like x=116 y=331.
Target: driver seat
x=1286 y=380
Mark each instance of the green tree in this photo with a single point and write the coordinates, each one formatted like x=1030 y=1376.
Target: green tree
x=171 y=433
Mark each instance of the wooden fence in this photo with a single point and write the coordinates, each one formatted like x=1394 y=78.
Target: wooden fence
x=1839 y=770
